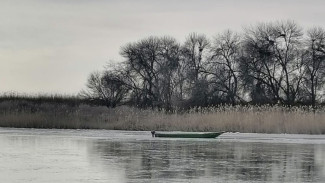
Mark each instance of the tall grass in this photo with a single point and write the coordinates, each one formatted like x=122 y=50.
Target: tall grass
x=63 y=113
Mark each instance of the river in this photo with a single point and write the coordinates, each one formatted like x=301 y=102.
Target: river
x=74 y=156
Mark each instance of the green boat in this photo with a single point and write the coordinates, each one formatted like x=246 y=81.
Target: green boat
x=186 y=134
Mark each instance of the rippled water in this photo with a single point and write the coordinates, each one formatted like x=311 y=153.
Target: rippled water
x=41 y=156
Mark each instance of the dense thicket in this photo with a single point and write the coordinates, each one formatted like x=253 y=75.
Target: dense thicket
x=270 y=63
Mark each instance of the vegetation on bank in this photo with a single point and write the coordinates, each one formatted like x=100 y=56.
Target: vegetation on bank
x=75 y=113
x=268 y=63
x=268 y=79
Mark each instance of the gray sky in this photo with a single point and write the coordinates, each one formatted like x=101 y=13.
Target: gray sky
x=51 y=46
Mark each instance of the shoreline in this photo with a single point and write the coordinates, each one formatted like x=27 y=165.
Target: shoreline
x=146 y=135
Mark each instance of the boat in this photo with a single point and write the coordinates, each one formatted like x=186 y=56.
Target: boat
x=186 y=134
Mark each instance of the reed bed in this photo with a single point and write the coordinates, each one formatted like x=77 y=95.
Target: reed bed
x=252 y=119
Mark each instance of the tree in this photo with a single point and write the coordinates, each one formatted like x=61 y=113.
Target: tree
x=223 y=65
x=258 y=69
x=287 y=46
x=269 y=63
x=193 y=53
x=168 y=55
x=107 y=88
x=141 y=58
x=314 y=63
x=153 y=61
x=273 y=60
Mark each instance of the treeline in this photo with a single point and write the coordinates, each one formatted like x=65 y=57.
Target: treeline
x=21 y=101
x=269 y=63
x=42 y=98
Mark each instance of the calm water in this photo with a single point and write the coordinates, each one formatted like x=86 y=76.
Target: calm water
x=41 y=156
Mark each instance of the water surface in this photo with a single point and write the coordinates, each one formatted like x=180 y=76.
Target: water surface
x=41 y=156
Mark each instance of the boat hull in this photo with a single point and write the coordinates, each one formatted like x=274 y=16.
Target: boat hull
x=188 y=135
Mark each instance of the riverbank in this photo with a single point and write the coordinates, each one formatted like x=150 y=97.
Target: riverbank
x=245 y=119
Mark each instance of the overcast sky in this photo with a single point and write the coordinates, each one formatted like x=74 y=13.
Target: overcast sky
x=51 y=46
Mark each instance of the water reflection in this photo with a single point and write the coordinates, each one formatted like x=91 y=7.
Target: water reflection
x=74 y=156
x=212 y=161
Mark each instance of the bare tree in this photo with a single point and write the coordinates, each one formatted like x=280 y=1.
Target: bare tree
x=141 y=58
x=168 y=59
x=314 y=62
x=273 y=60
x=193 y=55
x=223 y=65
x=108 y=88
x=287 y=46
x=152 y=61
x=270 y=63
x=193 y=51
x=258 y=69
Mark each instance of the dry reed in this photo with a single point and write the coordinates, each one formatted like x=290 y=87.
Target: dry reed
x=254 y=119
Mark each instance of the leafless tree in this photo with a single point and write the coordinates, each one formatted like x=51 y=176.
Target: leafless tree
x=269 y=62
x=223 y=65
x=153 y=61
x=108 y=87
x=193 y=50
x=314 y=62
x=168 y=59
x=273 y=60
x=193 y=58
x=287 y=46
x=141 y=58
